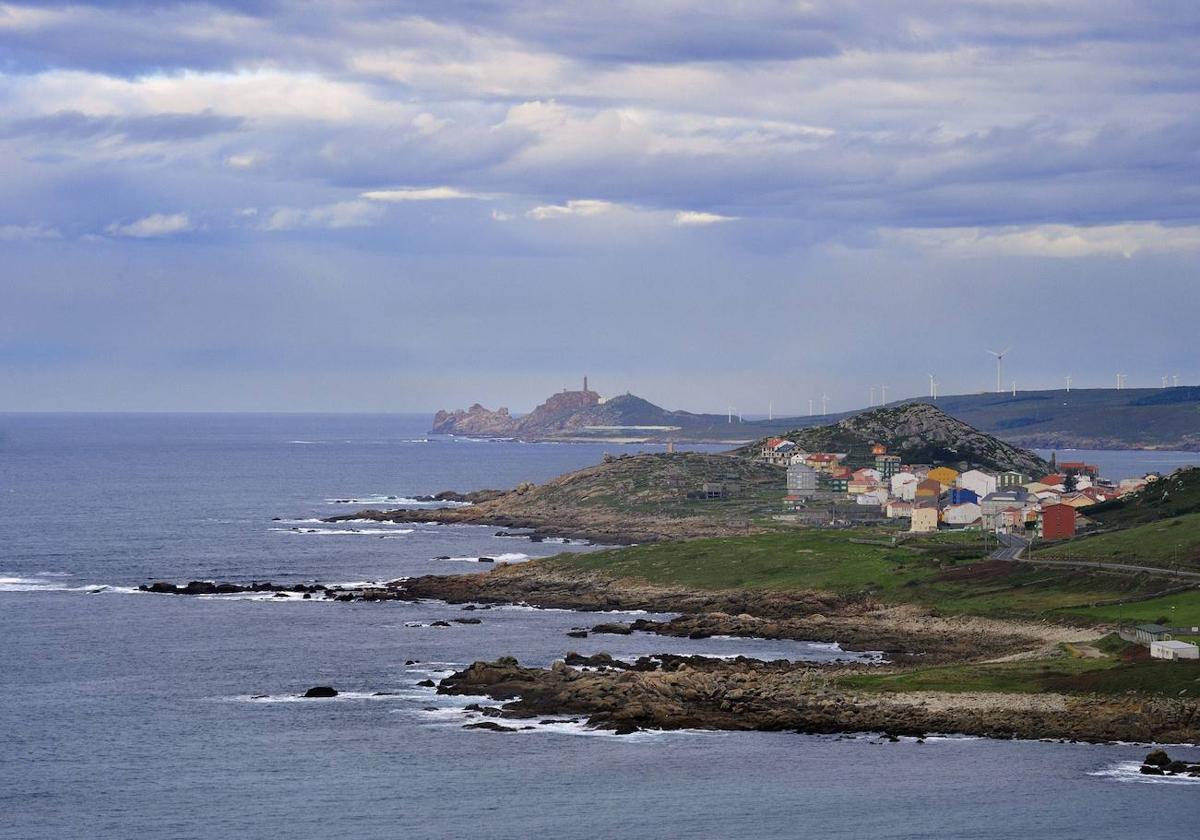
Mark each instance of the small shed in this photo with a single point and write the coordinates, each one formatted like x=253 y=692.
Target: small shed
x=1147 y=634
x=1167 y=649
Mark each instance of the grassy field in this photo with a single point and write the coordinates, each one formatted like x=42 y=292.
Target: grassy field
x=1170 y=543
x=1121 y=668
x=1181 y=609
x=929 y=571
x=800 y=560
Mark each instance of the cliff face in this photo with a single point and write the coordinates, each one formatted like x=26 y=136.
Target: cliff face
x=476 y=420
x=919 y=433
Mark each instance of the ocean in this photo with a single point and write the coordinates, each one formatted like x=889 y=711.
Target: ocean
x=124 y=714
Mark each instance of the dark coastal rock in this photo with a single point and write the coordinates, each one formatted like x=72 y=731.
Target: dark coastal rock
x=626 y=728
x=439 y=624
x=1157 y=758
x=320 y=691
x=577 y=634
x=467 y=620
x=598 y=660
x=427 y=684
x=490 y=726
x=487 y=560
x=613 y=629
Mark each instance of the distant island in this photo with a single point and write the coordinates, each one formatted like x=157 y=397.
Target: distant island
x=1094 y=418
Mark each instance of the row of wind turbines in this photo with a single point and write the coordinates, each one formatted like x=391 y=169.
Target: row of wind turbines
x=882 y=390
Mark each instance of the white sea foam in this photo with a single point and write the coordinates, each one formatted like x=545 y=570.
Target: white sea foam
x=499 y=558
x=382 y=533
x=297 y=698
x=1130 y=771
x=405 y=501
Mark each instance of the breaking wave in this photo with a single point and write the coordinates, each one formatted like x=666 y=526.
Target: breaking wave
x=1130 y=771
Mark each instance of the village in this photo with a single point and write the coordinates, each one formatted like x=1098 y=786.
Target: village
x=827 y=486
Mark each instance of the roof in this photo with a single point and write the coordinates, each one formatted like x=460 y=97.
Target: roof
x=1172 y=644
x=1152 y=628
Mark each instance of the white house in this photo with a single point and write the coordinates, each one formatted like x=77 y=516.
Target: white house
x=979 y=482
x=904 y=486
x=872 y=497
x=1174 y=650
x=962 y=514
x=898 y=508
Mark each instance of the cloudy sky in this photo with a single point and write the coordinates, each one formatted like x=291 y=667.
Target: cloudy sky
x=390 y=206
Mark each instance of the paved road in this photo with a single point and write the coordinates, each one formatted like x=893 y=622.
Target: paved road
x=1012 y=546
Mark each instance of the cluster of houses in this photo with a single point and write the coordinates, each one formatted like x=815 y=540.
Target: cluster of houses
x=930 y=497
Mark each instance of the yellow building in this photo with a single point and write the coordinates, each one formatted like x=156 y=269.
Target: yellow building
x=944 y=476
x=924 y=519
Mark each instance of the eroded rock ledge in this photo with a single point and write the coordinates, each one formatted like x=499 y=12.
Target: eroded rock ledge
x=698 y=693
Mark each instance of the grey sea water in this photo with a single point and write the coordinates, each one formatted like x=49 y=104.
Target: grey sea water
x=131 y=715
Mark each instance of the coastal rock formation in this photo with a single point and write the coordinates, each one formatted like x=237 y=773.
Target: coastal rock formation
x=476 y=421
x=750 y=695
x=584 y=414
x=321 y=691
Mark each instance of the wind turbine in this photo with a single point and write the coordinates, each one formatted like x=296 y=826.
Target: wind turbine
x=872 y=395
x=883 y=395
x=1000 y=368
x=1014 y=388
x=1164 y=382
x=1175 y=380
x=824 y=404
x=771 y=410
x=932 y=387
x=1120 y=381
x=1068 y=378
x=810 y=408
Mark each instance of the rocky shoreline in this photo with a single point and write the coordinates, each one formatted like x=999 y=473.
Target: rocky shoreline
x=676 y=692
x=698 y=693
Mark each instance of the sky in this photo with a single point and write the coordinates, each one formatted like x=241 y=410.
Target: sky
x=401 y=206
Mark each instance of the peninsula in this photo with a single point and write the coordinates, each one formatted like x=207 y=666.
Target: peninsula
x=1082 y=418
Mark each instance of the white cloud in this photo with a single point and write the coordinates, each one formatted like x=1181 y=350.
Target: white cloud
x=26 y=18
x=420 y=194
x=343 y=214
x=18 y=233
x=157 y=224
x=1059 y=241
x=427 y=123
x=244 y=161
x=500 y=216
x=696 y=217
x=578 y=207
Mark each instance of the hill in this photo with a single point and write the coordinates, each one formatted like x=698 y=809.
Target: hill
x=1091 y=418
x=1175 y=495
x=633 y=498
x=920 y=434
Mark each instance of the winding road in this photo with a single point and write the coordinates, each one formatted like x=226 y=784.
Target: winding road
x=1012 y=546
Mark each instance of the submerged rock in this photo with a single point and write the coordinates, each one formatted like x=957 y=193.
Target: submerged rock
x=318 y=691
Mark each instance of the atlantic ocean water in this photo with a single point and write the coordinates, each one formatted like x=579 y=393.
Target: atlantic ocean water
x=124 y=714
